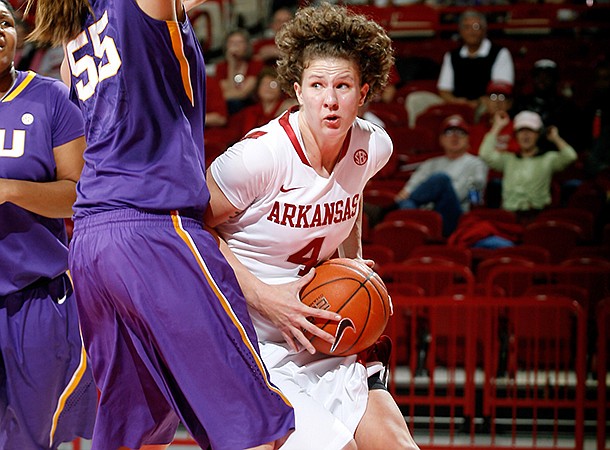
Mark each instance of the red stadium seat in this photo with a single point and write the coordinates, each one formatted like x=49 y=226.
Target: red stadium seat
x=558 y=237
x=530 y=252
x=402 y=237
x=435 y=276
x=490 y=273
x=457 y=255
x=577 y=216
x=432 y=220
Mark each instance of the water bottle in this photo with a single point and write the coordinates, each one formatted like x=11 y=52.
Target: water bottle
x=474 y=195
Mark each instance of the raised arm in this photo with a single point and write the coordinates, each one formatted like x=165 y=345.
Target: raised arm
x=168 y=9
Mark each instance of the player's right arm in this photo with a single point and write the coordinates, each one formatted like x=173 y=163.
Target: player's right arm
x=54 y=198
x=278 y=303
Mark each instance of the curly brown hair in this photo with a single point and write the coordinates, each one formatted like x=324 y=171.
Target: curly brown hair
x=330 y=31
x=57 y=21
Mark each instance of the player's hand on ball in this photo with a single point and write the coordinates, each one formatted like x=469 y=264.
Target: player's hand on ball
x=368 y=263
x=284 y=309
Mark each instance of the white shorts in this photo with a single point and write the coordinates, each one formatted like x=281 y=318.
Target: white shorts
x=329 y=395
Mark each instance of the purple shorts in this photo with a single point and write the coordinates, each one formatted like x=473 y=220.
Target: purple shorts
x=47 y=394
x=169 y=336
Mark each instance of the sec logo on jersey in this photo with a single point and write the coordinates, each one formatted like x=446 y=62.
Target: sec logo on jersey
x=361 y=157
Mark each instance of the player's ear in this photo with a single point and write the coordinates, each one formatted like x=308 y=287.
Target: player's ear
x=298 y=92
x=363 y=91
x=64 y=70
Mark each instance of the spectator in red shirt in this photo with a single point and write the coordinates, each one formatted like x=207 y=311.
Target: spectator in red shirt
x=499 y=97
x=264 y=49
x=238 y=71
x=270 y=102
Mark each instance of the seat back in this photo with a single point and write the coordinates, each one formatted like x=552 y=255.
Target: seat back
x=400 y=236
x=558 y=237
x=432 y=220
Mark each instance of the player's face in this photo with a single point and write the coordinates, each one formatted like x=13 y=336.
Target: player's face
x=8 y=41
x=330 y=95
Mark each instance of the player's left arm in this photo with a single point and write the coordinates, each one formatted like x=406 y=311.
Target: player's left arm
x=351 y=247
x=54 y=198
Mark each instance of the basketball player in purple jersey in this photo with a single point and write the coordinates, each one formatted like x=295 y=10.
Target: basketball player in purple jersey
x=162 y=315
x=286 y=197
x=47 y=394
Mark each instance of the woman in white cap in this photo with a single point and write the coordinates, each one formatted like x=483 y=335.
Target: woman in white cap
x=527 y=175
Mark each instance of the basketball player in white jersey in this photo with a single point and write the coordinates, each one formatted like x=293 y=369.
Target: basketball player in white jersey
x=286 y=197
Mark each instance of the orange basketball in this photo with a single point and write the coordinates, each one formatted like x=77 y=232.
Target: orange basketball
x=356 y=292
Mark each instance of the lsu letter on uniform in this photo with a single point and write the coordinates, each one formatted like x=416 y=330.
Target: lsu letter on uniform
x=291 y=219
x=47 y=394
x=163 y=318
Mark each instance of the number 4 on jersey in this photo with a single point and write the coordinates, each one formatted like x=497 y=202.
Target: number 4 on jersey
x=307 y=256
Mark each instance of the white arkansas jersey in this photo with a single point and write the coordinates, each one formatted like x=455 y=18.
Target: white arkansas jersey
x=292 y=218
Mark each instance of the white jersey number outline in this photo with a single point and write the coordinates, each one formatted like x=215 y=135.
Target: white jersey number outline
x=101 y=47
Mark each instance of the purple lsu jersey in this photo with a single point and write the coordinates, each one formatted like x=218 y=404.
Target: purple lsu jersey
x=140 y=84
x=36 y=115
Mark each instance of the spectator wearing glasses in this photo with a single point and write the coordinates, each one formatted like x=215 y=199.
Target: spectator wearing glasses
x=499 y=98
x=467 y=70
x=445 y=181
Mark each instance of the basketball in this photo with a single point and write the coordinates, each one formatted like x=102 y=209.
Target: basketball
x=353 y=290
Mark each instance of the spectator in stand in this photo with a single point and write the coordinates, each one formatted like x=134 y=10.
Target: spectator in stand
x=389 y=92
x=270 y=102
x=216 y=114
x=265 y=49
x=218 y=135
x=598 y=113
x=446 y=181
x=554 y=107
x=238 y=71
x=499 y=98
x=467 y=70
x=526 y=184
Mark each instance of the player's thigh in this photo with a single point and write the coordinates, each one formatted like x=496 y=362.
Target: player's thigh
x=316 y=427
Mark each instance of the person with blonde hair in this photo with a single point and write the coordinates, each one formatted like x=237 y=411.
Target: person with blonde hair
x=287 y=197
x=162 y=315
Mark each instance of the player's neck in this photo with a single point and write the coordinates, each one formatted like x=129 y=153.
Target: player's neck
x=7 y=79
